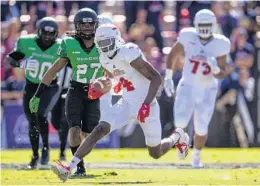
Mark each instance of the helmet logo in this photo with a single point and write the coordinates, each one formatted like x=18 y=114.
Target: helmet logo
x=87 y=19
x=48 y=29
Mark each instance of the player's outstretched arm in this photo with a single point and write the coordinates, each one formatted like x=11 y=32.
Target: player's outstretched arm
x=148 y=71
x=176 y=52
x=56 y=67
x=46 y=81
x=222 y=64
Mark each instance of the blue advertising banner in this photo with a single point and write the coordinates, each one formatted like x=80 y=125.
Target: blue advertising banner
x=17 y=130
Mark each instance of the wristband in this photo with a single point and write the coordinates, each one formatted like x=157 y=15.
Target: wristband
x=40 y=89
x=168 y=73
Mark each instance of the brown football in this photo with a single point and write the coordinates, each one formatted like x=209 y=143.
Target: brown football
x=103 y=85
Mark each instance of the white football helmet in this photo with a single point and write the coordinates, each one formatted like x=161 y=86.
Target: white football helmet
x=108 y=39
x=205 y=23
x=104 y=20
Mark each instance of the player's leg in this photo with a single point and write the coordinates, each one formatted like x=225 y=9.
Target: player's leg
x=74 y=105
x=33 y=127
x=90 y=119
x=202 y=116
x=183 y=109
x=114 y=118
x=152 y=131
x=47 y=101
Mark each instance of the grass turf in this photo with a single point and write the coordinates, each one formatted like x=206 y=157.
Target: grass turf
x=140 y=176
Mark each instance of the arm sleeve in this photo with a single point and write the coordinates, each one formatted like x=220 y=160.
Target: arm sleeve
x=185 y=34
x=62 y=50
x=131 y=53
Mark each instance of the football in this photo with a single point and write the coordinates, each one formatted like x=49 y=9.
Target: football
x=103 y=85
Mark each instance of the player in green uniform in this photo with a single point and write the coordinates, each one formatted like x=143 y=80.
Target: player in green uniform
x=80 y=51
x=38 y=53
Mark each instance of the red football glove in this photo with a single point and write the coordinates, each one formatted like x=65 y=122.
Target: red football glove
x=92 y=93
x=143 y=112
x=118 y=87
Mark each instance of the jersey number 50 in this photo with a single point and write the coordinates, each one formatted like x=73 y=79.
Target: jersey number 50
x=196 y=64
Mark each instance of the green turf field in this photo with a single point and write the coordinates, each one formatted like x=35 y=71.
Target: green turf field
x=135 y=167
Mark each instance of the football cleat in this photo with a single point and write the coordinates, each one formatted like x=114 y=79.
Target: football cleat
x=80 y=173
x=34 y=163
x=61 y=170
x=182 y=145
x=196 y=160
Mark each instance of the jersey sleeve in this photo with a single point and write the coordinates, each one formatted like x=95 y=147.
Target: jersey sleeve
x=131 y=52
x=185 y=35
x=62 y=49
x=224 y=46
x=18 y=45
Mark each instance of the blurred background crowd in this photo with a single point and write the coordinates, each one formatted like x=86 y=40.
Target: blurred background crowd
x=154 y=26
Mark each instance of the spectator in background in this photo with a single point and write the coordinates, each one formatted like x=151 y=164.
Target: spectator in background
x=132 y=12
x=12 y=87
x=154 y=13
x=227 y=21
x=241 y=50
x=226 y=108
x=63 y=25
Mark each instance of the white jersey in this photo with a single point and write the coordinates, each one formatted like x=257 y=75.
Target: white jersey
x=196 y=70
x=135 y=85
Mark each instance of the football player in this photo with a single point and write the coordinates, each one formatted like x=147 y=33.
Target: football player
x=38 y=52
x=205 y=61
x=80 y=51
x=140 y=83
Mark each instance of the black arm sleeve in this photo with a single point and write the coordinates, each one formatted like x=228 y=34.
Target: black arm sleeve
x=16 y=55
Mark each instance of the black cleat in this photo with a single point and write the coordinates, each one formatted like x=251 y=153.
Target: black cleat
x=34 y=163
x=80 y=173
x=45 y=156
x=62 y=157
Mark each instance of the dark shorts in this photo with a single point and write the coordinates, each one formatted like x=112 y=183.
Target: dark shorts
x=81 y=111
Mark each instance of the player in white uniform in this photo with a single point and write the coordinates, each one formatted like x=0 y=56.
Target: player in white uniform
x=205 y=60
x=140 y=82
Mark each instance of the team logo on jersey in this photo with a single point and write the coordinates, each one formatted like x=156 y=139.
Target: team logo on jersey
x=75 y=52
x=193 y=43
x=31 y=48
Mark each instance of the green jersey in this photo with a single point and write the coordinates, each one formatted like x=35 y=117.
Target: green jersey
x=85 y=66
x=37 y=60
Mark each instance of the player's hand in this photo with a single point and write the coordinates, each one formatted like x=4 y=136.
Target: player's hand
x=213 y=63
x=34 y=104
x=118 y=87
x=168 y=87
x=143 y=112
x=93 y=93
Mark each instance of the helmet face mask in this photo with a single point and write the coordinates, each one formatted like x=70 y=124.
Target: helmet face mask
x=86 y=22
x=205 y=22
x=107 y=40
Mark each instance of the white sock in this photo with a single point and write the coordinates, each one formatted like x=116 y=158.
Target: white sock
x=74 y=162
x=196 y=151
